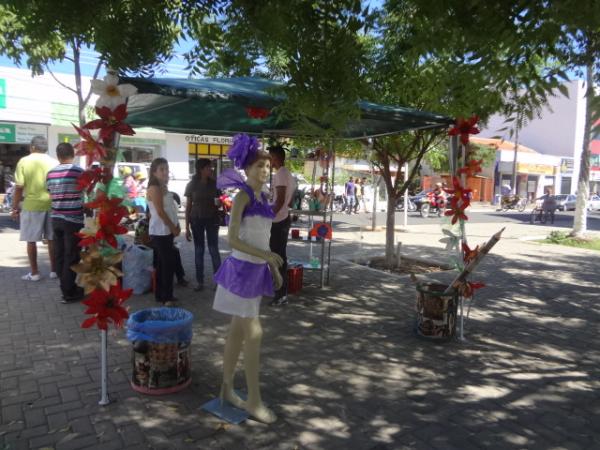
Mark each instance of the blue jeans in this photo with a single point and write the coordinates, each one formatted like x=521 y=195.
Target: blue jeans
x=211 y=228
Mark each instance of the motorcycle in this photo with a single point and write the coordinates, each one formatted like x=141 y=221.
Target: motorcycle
x=432 y=205
x=513 y=202
x=412 y=207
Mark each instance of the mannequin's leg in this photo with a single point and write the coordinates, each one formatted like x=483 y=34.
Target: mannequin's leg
x=252 y=340
x=233 y=346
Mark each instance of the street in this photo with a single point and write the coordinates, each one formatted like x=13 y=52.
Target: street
x=562 y=219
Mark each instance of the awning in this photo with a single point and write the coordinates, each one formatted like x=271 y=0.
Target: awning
x=218 y=106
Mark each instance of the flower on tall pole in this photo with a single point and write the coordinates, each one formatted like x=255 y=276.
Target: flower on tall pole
x=97 y=272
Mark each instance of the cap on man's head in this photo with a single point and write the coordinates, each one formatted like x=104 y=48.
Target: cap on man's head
x=140 y=176
x=40 y=143
x=126 y=170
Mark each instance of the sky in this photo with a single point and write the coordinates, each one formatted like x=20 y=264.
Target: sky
x=89 y=60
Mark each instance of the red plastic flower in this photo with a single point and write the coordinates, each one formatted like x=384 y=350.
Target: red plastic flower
x=89 y=147
x=464 y=127
x=468 y=254
x=473 y=166
x=90 y=177
x=257 y=113
x=109 y=226
x=459 y=202
x=110 y=205
x=106 y=307
x=468 y=288
x=110 y=122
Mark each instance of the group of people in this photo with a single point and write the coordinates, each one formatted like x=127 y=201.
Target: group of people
x=49 y=206
x=354 y=195
x=202 y=222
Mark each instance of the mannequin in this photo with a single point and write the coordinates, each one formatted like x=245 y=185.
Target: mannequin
x=248 y=274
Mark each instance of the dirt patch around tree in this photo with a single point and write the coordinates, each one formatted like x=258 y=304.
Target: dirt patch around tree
x=407 y=265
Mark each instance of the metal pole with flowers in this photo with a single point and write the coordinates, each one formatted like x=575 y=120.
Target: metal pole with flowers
x=461 y=199
x=97 y=272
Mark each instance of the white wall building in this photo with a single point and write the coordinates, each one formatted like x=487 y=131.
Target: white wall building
x=557 y=133
x=39 y=105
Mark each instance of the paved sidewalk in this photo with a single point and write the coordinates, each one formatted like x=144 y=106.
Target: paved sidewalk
x=341 y=366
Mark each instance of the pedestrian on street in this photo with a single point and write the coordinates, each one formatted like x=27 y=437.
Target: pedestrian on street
x=163 y=228
x=34 y=214
x=202 y=217
x=283 y=187
x=67 y=219
x=350 y=191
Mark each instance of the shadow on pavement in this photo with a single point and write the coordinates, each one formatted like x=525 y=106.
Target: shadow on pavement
x=341 y=367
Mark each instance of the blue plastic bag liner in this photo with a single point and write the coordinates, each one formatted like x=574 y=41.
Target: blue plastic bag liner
x=160 y=325
x=137 y=268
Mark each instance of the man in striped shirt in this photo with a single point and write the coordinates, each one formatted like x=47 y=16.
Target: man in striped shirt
x=67 y=219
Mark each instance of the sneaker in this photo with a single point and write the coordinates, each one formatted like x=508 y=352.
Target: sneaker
x=53 y=275
x=30 y=277
x=183 y=282
x=199 y=287
x=281 y=301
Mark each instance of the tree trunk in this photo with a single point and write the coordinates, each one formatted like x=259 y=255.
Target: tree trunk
x=390 y=224
x=514 y=165
x=583 y=183
x=77 y=64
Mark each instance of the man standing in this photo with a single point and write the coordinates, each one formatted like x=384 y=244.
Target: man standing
x=350 y=189
x=67 y=219
x=283 y=189
x=34 y=214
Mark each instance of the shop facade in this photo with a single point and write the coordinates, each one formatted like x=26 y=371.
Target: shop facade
x=40 y=106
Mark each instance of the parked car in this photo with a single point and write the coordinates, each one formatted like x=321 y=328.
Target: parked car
x=594 y=203
x=565 y=202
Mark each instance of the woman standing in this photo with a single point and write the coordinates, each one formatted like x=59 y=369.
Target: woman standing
x=201 y=217
x=163 y=228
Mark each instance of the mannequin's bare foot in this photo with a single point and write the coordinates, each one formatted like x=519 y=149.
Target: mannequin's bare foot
x=261 y=413
x=227 y=393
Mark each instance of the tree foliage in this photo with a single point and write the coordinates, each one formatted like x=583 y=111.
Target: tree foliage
x=316 y=47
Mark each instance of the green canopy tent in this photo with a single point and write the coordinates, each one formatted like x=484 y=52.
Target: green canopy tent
x=219 y=106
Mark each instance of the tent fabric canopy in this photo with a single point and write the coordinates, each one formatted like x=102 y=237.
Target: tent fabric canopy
x=218 y=106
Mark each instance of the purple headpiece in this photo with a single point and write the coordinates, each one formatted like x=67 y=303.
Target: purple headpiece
x=243 y=150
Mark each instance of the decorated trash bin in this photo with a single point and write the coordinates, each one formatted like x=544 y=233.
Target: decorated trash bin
x=436 y=311
x=160 y=358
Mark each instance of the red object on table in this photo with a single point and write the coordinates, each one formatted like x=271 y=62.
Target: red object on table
x=295 y=274
x=295 y=234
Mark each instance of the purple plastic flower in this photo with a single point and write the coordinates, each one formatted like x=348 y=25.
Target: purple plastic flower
x=242 y=150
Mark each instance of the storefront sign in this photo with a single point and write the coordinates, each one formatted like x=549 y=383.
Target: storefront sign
x=203 y=139
x=594 y=175
x=537 y=169
x=207 y=150
x=26 y=131
x=2 y=93
x=7 y=132
x=566 y=165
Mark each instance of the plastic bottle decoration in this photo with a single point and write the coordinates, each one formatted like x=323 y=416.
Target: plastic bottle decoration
x=459 y=202
x=97 y=273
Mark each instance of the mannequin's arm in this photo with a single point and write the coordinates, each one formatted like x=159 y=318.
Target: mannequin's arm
x=239 y=203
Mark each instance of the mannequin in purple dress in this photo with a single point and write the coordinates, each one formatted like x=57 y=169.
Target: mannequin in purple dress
x=250 y=272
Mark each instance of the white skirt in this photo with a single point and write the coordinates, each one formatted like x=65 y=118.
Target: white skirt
x=229 y=303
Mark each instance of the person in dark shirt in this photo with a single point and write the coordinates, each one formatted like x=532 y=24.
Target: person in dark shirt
x=201 y=217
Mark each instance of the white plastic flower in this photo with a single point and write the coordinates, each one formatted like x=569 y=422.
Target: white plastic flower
x=111 y=93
